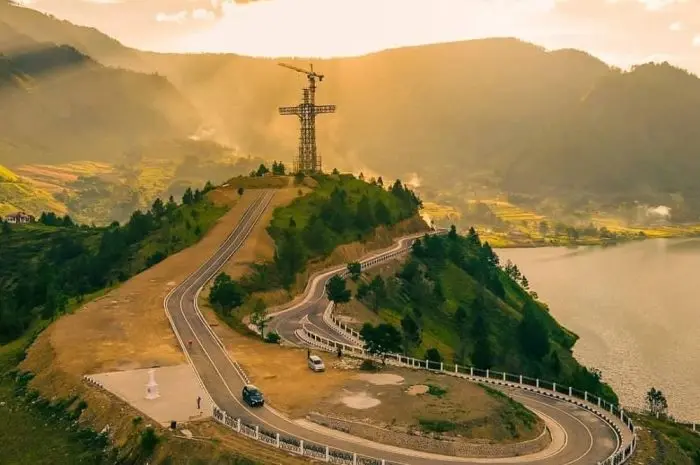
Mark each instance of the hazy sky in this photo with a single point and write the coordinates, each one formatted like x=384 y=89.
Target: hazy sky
x=621 y=32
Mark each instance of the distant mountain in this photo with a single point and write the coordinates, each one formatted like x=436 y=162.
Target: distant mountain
x=495 y=114
x=61 y=105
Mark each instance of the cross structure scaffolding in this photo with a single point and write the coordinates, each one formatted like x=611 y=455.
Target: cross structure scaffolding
x=307 y=160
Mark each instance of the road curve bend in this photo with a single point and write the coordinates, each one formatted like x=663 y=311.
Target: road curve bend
x=579 y=436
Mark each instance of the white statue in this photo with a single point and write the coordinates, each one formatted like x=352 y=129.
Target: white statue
x=152 y=386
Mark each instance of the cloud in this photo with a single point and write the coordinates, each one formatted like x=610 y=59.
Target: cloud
x=696 y=41
x=178 y=17
x=203 y=14
x=677 y=26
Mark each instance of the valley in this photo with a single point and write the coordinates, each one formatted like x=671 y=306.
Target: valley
x=471 y=263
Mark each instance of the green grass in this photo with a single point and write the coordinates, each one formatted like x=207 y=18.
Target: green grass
x=512 y=412
x=436 y=426
x=679 y=436
x=437 y=391
x=302 y=208
x=30 y=433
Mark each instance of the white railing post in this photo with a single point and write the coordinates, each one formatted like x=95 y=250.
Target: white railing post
x=257 y=432
x=328 y=454
x=442 y=367
x=277 y=440
x=238 y=425
x=301 y=446
x=487 y=374
x=471 y=371
x=585 y=396
x=521 y=379
x=554 y=387
x=537 y=383
x=694 y=430
x=622 y=414
x=456 y=368
x=354 y=459
x=504 y=376
x=570 y=392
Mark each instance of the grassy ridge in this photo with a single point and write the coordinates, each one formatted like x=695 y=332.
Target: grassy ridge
x=453 y=295
x=341 y=209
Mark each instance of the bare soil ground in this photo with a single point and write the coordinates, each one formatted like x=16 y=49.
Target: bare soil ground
x=280 y=372
x=424 y=401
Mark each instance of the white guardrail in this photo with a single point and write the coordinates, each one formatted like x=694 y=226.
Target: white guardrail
x=600 y=407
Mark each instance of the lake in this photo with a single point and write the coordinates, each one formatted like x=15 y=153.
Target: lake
x=635 y=308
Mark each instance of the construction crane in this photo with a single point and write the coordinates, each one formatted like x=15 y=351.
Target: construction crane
x=307 y=160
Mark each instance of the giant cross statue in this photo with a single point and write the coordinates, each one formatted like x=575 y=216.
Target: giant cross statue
x=307 y=160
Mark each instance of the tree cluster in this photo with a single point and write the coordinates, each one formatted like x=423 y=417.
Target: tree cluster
x=352 y=210
x=226 y=294
x=45 y=269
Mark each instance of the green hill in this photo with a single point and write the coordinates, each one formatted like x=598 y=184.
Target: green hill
x=454 y=301
x=341 y=209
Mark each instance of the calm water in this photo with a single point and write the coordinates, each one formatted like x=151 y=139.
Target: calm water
x=635 y=307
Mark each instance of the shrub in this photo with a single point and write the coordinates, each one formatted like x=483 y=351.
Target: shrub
x=149 y=441
x=368 y=365
x=272 y=337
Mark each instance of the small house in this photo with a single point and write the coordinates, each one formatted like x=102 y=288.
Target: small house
x=19 y=218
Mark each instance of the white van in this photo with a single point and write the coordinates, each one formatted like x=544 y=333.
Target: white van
x=316 y=364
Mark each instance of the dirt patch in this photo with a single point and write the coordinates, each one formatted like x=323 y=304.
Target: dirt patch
x=259 y=247
x=432 y=404
x=281 y=372
x=381 y=379
x=417 y=390
x=128 y=328
x=360 y=401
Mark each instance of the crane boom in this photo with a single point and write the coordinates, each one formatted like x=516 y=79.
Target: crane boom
x=311 y=73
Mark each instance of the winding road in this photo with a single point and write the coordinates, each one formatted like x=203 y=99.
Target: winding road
x=578 y=436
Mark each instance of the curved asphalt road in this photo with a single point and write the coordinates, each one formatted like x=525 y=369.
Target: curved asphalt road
x=581 y=437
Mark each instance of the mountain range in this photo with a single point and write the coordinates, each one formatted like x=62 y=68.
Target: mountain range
x=483 y=115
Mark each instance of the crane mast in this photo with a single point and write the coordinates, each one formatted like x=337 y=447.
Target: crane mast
x=307 y=159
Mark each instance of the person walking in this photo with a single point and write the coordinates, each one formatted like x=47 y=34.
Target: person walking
x=189 y=344
x=199 y=403
x=308 y=353
x=340 y=351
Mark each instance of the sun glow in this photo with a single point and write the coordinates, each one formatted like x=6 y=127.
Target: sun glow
x=329 y=28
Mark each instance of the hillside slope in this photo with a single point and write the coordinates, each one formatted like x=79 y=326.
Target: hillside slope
x=454 y=301
x=61 y=105
x=495 y=114
x=18 y=194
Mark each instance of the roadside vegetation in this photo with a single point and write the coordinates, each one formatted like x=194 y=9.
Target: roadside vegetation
x=48 y=264
x=662 y=440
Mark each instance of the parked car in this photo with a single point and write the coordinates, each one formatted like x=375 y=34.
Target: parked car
x=252 y=396
x=316 y=364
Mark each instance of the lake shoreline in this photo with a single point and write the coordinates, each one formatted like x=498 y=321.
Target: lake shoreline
x=529 y=243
